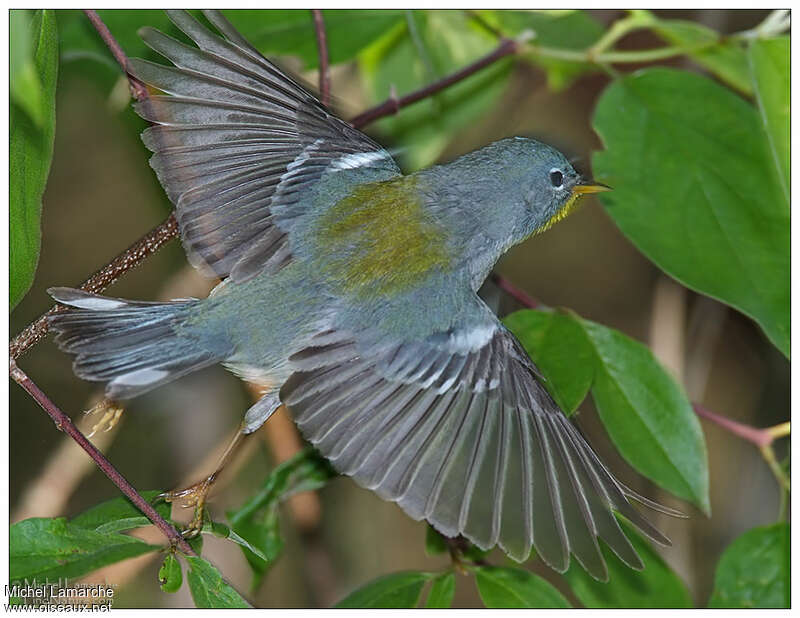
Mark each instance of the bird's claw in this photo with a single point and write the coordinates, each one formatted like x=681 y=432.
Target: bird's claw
x=193 y=496
x=112 y=414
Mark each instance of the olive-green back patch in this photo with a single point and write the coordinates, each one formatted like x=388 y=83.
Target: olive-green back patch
x=379 y=240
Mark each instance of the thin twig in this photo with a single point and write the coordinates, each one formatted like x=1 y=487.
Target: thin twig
x=507 y=47
x=134 y=255
x=65 y=424
x=138 y=89
x=322 y=50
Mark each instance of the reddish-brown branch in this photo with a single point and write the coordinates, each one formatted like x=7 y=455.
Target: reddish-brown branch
x=509 y=288
x=138 y=89
x=322 y=50
x=392 y=105
x=759 y=437
x=65 y=424
x=134 y=255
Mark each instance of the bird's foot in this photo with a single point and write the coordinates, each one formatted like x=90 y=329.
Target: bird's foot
x=111 y=411
x=193 y=496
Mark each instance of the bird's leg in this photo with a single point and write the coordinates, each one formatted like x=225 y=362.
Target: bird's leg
x=195 y=495
x=112 y=412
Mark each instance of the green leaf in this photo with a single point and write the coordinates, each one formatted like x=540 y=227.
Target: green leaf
x=655 y=586
x=31 y=145
x=43 y=548
x=306 y=471
x=435 y=543
x=208 y=588
x=25 y=88
x=769 y=63
x=557 y=344
x=725 y=58
x=119 y=514
x=170 y=575
x=255 y=524
x=396 y=590
x=502 y=587
x=754 y=570
x=222 y=531
x=443 y=588
x=696 y=190
x=646 y=413
x=263 y=533
x=429 y=46
x=568 y=30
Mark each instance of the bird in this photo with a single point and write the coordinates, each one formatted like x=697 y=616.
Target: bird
x=348 y=294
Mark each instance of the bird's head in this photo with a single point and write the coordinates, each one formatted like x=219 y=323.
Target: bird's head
x=540 y=186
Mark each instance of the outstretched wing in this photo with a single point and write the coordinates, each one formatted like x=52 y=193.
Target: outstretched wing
x=458 y=430
x=237 y=145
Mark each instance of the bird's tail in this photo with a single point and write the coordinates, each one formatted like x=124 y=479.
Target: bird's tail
x=133 y=346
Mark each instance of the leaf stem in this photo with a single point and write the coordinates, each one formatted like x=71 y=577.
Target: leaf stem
x=768 y=453
x=759 y=437
x=635 y=20
x=322 y=51
x=65 y=424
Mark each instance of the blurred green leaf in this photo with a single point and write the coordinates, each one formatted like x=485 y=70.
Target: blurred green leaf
x=80 y=39
x=435 y=543
x=396 y=590
x=222 y=531
x=696 y=190
x=31 y=142
x=443 y=589
x=263 y=533
x=284 y=32
x=25 y=87
x=726 y=58
x=645 y=412
x=208 y=588
x=655 y=586
x=769 y=62
x=568 y=30
x=442 y=42
x=170 y=575
x=41 y=548
x=119 y=514
x=290 y=32
x=256 y=522
x=754 y=570
x=502 y=587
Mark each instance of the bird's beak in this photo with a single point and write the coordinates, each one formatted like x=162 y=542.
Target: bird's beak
x=590 y=187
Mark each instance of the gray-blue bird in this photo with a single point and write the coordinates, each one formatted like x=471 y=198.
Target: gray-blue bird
x=349 y=294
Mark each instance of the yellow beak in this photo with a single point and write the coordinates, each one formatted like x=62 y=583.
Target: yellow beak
x=593 y=187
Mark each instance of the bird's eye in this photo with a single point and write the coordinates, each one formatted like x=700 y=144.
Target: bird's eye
x=556 y=178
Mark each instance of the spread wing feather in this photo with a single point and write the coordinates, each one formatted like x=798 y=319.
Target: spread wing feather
x=464 y=436
x=237 y=145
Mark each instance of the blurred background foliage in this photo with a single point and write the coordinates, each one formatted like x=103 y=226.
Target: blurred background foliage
x=687 y=147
